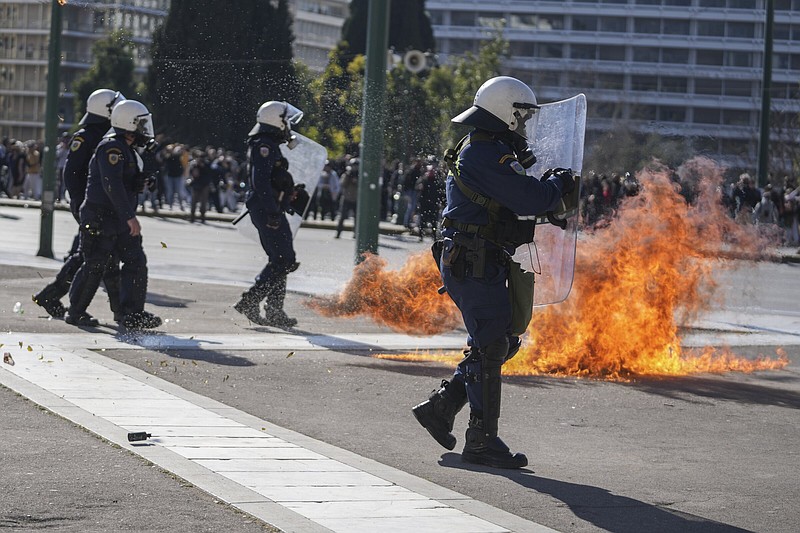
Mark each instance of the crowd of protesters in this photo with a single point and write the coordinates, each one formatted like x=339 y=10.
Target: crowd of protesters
x=773 y=206
x=197 y=179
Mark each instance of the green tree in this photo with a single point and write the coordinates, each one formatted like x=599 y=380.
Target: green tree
x=112 y=69
x=213 y=66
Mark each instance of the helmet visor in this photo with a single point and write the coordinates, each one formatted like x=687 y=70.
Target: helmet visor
x=523 y=113
x=292 y=115
x=144 y=125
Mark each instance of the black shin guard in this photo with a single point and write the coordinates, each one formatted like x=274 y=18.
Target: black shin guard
x=438 y=413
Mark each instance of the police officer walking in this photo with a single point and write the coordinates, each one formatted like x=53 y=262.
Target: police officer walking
x=95 y=123
x=487 y=188
x=109 y=227
x=268 y=199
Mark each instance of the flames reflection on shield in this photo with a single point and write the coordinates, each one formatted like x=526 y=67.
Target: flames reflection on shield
x=637 y=280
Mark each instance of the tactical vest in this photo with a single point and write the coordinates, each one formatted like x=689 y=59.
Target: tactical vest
x=504 y=228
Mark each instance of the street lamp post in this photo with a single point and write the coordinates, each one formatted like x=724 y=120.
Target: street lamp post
x=766 y=87
x=369 y=194
x=50 y=133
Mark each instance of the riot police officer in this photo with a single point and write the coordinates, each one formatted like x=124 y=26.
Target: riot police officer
x=109 y=227
x=95 y=123
x=487 y=188
x=268 y=199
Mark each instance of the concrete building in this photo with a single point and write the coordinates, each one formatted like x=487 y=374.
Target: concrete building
x=24 y=41
x=317 y=29
x=687 y=68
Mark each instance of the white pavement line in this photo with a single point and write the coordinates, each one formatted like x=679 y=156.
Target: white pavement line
x=284 y=478
x=241 y=342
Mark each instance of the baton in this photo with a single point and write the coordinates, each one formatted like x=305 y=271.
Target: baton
x=241 y=216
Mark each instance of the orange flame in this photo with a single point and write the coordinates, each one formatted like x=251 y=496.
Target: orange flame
x=639 y=277
x=405 y=300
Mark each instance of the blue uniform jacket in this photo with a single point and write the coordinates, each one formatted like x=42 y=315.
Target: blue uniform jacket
x=490 y=168
x=264 y=153
x=112 y=181
x=76 y=169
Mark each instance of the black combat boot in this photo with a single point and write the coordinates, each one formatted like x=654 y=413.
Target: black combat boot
x=248 y=305
x=81 y=320
x=483 y=448
x=274 y=315
x=140 y=320
x=50 y=299
x=438 y=413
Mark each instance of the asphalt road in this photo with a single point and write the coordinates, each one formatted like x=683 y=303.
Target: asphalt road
x=707 y=453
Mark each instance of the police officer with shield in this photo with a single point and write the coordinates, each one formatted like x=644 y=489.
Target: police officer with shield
x=109 y=227
x=95 y=123
x=269 y=198
x=487 y=189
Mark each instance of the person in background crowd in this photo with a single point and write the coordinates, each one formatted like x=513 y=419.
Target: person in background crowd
x=348 y=195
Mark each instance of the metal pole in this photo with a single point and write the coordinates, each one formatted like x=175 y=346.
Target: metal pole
x=50 y=134
x=766 y=87
x=369 y=193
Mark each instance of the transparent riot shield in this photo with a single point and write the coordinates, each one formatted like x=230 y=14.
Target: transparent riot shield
x=306 y=161
x=558 y=138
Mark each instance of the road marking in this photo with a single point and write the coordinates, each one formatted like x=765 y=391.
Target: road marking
x=279 y=476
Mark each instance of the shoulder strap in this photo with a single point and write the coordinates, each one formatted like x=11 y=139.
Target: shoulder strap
x=452 y=156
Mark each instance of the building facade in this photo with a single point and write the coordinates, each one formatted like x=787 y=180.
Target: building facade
x=24 y=47
x=317 y=29
x=684 y=68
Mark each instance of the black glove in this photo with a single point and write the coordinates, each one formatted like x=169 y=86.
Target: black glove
x=523 y=151
x=139 y=181
x=151 y=183
x=565 y=177
x=274 y=221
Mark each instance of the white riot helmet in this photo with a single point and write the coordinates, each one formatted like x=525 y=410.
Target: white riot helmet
x=131 y=116
x=99 y=106
x=501 y=104
x=273 y=117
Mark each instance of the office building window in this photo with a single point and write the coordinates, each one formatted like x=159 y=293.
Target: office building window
x=648 y=2
x=644 y=83
x=735 y=117
x=613 y=24
x=676 y=27
x=537 y=22
x=740 y=30
x=795 y=61
x=613 y=82
x=678 y=56
x=741 y=4
x=742 y=88
x=522 y=48
x=711 y=3
x=461 y=46
x=706 y=115
x=709 y=57
x=583 y=51
x=584 y=23
x=603 y=110
x=647 y=26
x=549 y=50
x=673 y=84
x=780 y=61
x=548 y=78
x=672 y=114
x=612 y=53
x=738 y=59
x=678 y=3
x=707 y=86
x=710 y=28
x=646 y=54
x=462 y=18
x=780 y=32
x=490 y=19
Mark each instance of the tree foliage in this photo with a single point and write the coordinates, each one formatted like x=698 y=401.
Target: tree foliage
x=213 y=66
x=112 y=69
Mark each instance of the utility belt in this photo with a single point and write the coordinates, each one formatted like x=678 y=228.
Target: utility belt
x=468 y=255
x=503 y=231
